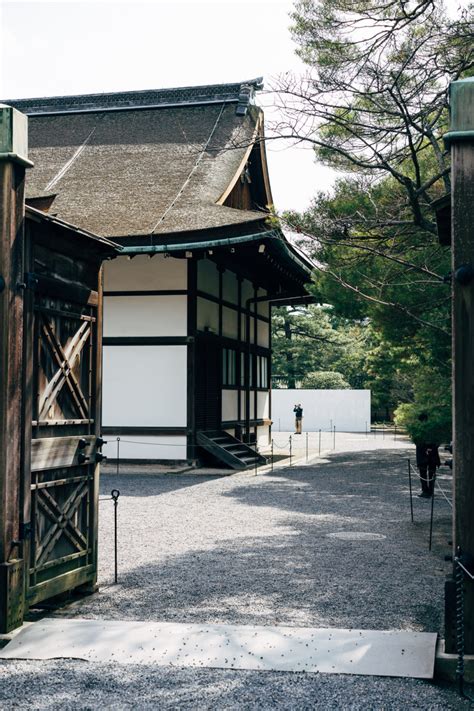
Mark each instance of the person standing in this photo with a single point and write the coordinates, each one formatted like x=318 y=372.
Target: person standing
x=298 y=410
x=427 y=459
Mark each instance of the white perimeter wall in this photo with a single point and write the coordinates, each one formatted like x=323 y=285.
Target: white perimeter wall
x=348 y=410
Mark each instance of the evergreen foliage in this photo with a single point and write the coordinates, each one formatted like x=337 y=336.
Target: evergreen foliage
x=374 y=105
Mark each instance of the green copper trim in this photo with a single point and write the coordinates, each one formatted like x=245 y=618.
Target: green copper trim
x=456 y=136
x=273 y=235
x=15 y=158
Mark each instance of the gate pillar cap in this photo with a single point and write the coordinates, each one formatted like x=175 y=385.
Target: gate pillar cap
x=461 y=95
x=14 y=136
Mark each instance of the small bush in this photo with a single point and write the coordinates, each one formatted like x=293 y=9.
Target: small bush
x=325 y=380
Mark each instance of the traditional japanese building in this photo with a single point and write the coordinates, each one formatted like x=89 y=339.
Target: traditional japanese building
x=179 y=179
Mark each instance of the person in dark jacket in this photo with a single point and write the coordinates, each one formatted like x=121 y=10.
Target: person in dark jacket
x=427 y=459
x=298 y=410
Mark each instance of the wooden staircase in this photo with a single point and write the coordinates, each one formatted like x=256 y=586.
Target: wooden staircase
x=229 y=450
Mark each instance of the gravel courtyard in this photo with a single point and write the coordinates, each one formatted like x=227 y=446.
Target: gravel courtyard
x=248 y=549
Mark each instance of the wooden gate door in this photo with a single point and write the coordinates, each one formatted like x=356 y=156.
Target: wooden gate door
x=65 y=364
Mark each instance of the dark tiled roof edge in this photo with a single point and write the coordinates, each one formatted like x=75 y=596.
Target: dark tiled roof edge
x=240 y=93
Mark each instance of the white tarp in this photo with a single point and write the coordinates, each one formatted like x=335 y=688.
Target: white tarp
x=292 y=649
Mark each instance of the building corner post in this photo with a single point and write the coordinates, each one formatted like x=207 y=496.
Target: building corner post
x=461 y=141
x=13 y=162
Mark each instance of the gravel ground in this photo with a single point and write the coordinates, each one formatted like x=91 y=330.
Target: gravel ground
x=247 y=549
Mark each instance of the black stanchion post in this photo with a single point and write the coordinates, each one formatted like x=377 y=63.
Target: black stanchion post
x=319 y=442
x=272 y=455
x=118 y=456
x=383 y=430
x=256 y=459
x=115 y=493
x=411 y=491
x=432 y=511
x=291 y=450
x=334 y=438
x=306 y=448
x=366 y=430
x=395 y=433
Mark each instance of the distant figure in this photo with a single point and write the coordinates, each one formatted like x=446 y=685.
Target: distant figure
x=427 y=459
x=298 y=410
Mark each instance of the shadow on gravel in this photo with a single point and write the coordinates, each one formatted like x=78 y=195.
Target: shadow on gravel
x=296 y=572
x=139 y=484
x=77 y=685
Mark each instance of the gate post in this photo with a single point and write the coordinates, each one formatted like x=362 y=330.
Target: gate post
x=13 y=150
x=461 y=140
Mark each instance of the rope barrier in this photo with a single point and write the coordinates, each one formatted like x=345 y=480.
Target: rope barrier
x=157 y=444
x=443 y=493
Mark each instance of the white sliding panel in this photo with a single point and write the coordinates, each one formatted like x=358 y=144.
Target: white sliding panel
x=144 y=386
x=145 y=316
x=263 y=405
x=229 y=405
x=208 y=277
x=230 y=321
x=207 y=315
x=263 y=334
x=144 y=274
x=230 y=290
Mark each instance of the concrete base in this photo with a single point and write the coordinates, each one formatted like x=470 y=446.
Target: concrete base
x=445 y=665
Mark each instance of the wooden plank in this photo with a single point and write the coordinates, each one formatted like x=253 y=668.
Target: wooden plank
x=146 y=341
x=58 y=452
x=144 y=431
x=66 y=289
x=58 y=585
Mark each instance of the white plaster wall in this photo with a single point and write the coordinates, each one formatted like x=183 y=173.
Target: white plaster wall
x=208 y=277
x=263 y=436
x=348 y=410
x=144 y=386
x=230 y=321
x=229 y=405
x=145 y=316
x=144 y=274
x=262 y=306
x=207 y=315
x=230 y=287
x=144 y=447
x=263 y=334
x=248 y=292
x=263 y=405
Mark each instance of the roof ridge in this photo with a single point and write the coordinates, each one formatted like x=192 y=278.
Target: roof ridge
x=237 y=92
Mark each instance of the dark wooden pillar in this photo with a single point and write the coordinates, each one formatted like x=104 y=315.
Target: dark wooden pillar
x=461 y=139
x=12 y=178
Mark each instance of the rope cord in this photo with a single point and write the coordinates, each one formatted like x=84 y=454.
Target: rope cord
x=443 y=493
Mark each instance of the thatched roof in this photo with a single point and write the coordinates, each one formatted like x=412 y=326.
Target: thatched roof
x=137 y=163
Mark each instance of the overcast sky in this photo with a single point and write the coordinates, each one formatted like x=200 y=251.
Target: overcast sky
x=65 y=47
